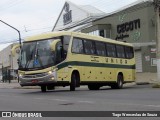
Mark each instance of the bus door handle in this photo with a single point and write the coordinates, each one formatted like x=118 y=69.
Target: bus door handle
x=69 y=66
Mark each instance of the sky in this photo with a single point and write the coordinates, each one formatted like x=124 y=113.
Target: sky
x=32 y=17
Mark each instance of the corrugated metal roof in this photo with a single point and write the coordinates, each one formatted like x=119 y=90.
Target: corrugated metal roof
x=95 y=14
x=91 y=10
x=79 y=24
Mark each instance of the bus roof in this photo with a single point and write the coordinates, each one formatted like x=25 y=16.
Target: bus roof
x=75 y=34
x=46 y=36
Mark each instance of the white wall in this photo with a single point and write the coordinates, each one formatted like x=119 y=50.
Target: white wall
x=78 y=14
x=7 y=59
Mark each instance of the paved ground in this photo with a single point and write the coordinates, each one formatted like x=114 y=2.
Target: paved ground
x=131 y=98
x=16 y=85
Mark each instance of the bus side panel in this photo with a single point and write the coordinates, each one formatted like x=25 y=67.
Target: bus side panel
x=74 y=62
x=128 y=73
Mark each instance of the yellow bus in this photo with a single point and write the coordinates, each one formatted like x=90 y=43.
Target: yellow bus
x=74 y=59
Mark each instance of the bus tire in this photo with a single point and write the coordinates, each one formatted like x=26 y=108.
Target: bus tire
x=43 y=88
x=93 y=87
x=74 y=81
x=119 y=84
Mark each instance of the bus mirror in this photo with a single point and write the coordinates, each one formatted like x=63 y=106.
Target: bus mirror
x=53 y=44
x=15 y=50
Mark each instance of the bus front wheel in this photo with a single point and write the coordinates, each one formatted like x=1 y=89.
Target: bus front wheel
x=75 y=81
x=43 y=88
x=119 y=84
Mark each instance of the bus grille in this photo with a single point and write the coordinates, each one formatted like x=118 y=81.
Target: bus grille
x=34 y=75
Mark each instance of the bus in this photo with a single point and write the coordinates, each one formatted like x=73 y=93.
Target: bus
x=74 y=59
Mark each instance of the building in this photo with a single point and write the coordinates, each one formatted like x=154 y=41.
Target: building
x=135 y=23
x=73 y=17
x=7 y=61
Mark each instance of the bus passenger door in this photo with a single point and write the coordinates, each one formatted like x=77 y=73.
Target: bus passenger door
x=59 y=53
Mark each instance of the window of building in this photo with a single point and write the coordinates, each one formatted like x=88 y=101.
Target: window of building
x=89 y=47
x=94 y=33
x=102 y=33
x=111 y=50
x=100 y=48
x=77 y=46
x=120 y=51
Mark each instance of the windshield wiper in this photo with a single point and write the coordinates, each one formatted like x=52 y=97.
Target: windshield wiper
x=37 y=59
x=30 y=59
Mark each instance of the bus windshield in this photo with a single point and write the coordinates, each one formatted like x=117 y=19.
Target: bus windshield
x=37 y=54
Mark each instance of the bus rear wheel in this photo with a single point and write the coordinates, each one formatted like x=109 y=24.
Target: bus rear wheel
x=119 y=84
x=43 y=88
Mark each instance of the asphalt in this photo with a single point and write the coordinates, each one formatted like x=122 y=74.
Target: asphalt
x=133 y=98
x=15 y=85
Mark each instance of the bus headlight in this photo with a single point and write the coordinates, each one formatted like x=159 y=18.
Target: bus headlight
x=52 y=78
x=20 y=75
x=50 y=72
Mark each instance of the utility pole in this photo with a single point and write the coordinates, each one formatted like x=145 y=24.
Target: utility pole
x=157 y=11
x=14 y=29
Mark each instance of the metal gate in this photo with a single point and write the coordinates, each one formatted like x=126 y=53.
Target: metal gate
x=138 y=57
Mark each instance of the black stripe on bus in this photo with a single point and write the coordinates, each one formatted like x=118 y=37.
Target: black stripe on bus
x=89 y=64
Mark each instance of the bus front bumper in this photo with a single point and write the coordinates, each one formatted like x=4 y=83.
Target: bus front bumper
x=38 y=79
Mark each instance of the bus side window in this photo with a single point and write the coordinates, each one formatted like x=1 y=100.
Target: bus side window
x=66 y=40
x=89 y=47
x=129 y=52
x=111 y=50
x=120 y=51
x=100 y=48
x=77 y=46
x=59 y=56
